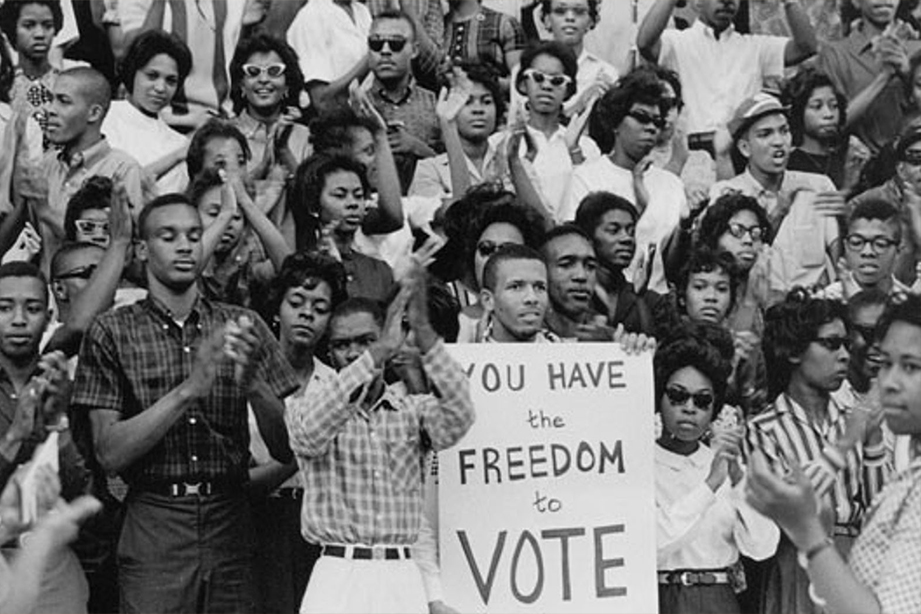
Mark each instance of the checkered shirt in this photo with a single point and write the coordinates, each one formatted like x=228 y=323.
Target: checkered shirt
x=133 y=356
x=484 y=39
x=887 y=555
x=363 y=467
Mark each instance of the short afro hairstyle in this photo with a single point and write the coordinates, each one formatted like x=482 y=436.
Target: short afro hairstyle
x=692 y=349
x=306 y=269
x=595 y=205
x=704 y=260
x=507 y=253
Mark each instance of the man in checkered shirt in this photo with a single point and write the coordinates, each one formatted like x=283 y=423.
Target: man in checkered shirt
x=166 y=383
x=361 y=443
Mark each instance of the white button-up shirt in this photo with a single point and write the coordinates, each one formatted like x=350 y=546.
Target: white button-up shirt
x=718 y=74
x=327 y=41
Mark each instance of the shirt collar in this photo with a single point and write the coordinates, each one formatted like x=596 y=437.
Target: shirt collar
x=86 y=158
x=543 y=336
x=710 y=33
x=785 y=404
x=700 y=458
x=249 y=125
x=157 y=307
x=382 y=93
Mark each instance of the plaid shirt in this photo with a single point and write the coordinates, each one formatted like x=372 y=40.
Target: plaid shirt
x=887 y=556
x=363 y=466
x=133 y=356
x=484 y=39
x=785 y=433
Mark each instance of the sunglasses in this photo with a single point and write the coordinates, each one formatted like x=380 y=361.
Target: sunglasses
x=680 y=396
x=83 y=272
x=879 y=244
x=92 y=227
x=487 y=248
x=833 y=344
x=740 y=230
x=396 y=44
x=272 y=71
x=539 y=77
x=647 y=118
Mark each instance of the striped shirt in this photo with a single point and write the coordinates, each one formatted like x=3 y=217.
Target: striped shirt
x=786 y=434
x=363 y=467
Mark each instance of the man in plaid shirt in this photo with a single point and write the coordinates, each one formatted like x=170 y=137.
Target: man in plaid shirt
x=166 y=384
x=361 y=443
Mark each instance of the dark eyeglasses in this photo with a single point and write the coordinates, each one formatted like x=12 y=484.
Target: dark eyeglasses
x=680 y=396
x=912 y=157
x=740 y=230
x=395 y=43
x=487 y=248
x=833 y=344
x=83 y=272
x=254 y=71
x=879 y=244
x=867 y=332
x=92 y=227
x=647 y=118
x=539 y=77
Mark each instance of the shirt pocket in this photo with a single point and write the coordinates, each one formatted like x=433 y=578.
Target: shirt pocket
x=809 y=245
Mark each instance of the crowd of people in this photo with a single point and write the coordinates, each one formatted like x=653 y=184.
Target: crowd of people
x=238 y=237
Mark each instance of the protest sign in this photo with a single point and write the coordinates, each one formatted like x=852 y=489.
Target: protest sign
x=547 y=504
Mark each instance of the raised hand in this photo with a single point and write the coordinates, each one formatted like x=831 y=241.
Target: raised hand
x=643 y=272
x=393 y=334
x=241 y=345
x=576 y=127
x=27 y=245
x=451 y=101
x=120 y=222
x=326 y=244
x=361 y=104
x=204 y=369
x=830 y=204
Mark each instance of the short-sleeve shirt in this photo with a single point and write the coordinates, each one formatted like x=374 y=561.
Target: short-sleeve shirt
x=485 y=38
x=719 y=73
x=328 y=42
x=133 y=356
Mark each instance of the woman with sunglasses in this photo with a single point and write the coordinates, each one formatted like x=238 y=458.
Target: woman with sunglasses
x=840 y=449
x=154 y=69
x=703 y=522
x=265 y=85
x=545 y=79
x=883 y=571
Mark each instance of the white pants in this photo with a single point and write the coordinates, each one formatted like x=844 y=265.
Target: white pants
x=363 y=586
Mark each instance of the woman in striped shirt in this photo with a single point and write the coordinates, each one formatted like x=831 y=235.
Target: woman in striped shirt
x=840 y=449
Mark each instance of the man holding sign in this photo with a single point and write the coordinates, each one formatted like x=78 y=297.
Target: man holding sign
x=361 y=446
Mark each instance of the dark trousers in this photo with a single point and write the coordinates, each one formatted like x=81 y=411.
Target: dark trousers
x=283 y=559
x=186 y=554
x=699 y=599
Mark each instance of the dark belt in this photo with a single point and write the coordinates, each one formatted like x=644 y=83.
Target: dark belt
x=189 y=489
x=846 y=530
x=694 y=577
x=287 y=493
x=363 y=552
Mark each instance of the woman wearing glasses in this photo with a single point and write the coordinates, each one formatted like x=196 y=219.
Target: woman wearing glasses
x=154 y=69
x=840 y=450
x=703 y=522
x=265 y=82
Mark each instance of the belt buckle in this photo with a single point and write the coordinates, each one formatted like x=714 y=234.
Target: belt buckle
x=193 y=489
x=684 y=578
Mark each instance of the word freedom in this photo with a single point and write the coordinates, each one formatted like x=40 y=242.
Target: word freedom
x=540 y=460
